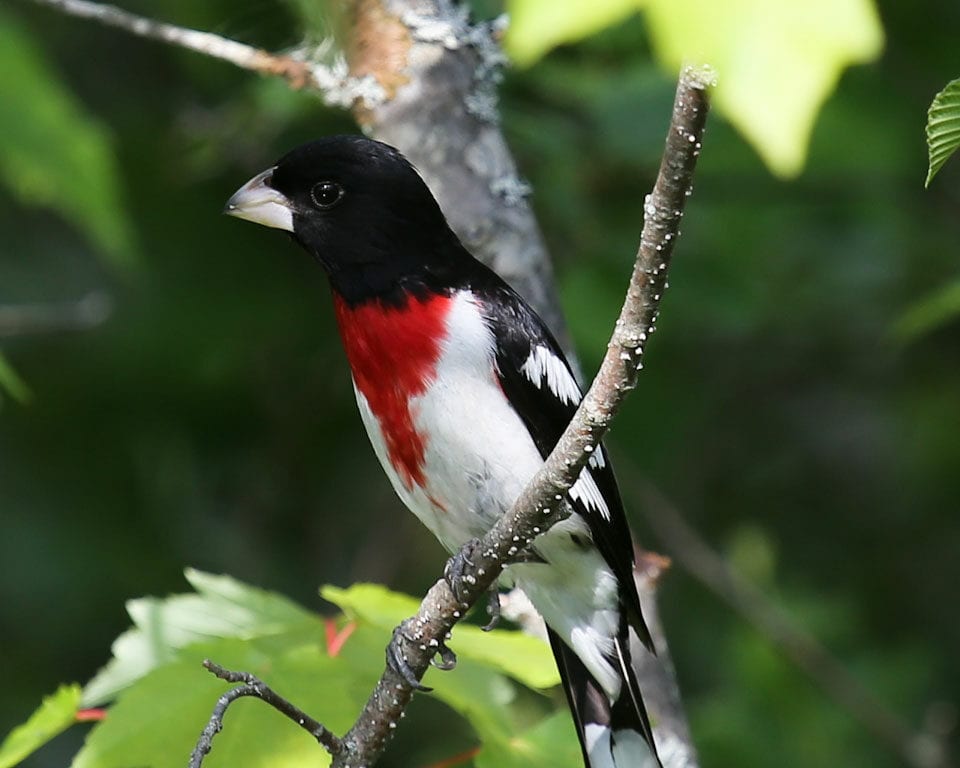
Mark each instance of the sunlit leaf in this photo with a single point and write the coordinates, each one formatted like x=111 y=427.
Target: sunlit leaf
x=536 y=26
x=943 y=127
x=55 y=715
x=777 y=60
x=158 y=714
x=157 y=721
x=52 y=152
x=551 y=743
x=522 y=657
x=222 y=608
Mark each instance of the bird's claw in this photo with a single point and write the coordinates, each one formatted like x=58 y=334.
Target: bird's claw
x=460 y=583
x=493 y=608
x=454 y=572
x=397 y=659
x=448 y=659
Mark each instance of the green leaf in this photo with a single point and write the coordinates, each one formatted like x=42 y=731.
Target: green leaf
x=56 y=714
x=776 y=60
x=943 y=127
x=12 y=384
x=163 y=697
x=222 y=608
x=157 y=721
x=476 y=689
x=551 y=743
x=536 y=26
x=52 y=152
x=928 y=314
x=524 y=658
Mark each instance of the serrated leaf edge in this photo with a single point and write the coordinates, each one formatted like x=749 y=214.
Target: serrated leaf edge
x=943 y=142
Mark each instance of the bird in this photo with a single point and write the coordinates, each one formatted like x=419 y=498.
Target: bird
x=464 y=391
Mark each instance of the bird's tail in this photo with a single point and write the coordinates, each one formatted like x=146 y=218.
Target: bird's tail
x=612 y=734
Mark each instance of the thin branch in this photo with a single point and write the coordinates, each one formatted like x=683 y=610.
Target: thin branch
x=332 y=82
x=540 y=505
x=917 y=748
x=253 y=686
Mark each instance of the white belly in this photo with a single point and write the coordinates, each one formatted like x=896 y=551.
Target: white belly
x=478 y=458
x=478 y=454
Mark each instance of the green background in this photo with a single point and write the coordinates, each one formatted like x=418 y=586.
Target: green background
x=210 y=420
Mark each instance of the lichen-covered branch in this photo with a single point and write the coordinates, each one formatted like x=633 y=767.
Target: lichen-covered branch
x=332 y=82
x=440 y=73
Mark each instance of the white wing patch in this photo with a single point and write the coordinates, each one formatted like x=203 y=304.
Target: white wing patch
x=542 y=365
x=585 y=491
x=598 y=460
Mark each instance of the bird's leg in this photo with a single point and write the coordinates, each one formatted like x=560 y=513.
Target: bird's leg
x=397 y=658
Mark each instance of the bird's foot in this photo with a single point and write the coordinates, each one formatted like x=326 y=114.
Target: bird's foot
x=454 y=572
x=397 y=657
x=460 y=582
x=493 y=608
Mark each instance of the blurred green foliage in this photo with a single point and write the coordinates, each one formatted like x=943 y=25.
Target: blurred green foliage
x=210 y=420
x=52 y=152
x=775 y=61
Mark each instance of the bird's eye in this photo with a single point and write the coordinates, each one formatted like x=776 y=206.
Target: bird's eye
x=326 y=194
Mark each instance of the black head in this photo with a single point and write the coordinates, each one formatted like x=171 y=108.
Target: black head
x=361 y=209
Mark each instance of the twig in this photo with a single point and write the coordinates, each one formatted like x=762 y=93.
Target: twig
x=916 y=748
x=332 y=82
x=253 y=686
x=28 y=319
x=540 y=504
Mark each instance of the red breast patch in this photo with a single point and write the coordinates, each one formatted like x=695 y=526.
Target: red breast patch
x=393 y=353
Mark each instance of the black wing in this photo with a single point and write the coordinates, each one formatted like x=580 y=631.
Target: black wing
x=537 y=379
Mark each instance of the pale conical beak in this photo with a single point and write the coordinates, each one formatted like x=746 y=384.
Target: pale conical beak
x=258 y=202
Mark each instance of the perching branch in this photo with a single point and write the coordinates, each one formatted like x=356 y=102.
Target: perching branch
x=541 y=503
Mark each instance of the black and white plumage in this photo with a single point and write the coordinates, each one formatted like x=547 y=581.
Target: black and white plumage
x=464 y=392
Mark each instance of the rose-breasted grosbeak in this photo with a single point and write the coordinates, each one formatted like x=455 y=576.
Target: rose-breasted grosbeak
x=464 y=392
